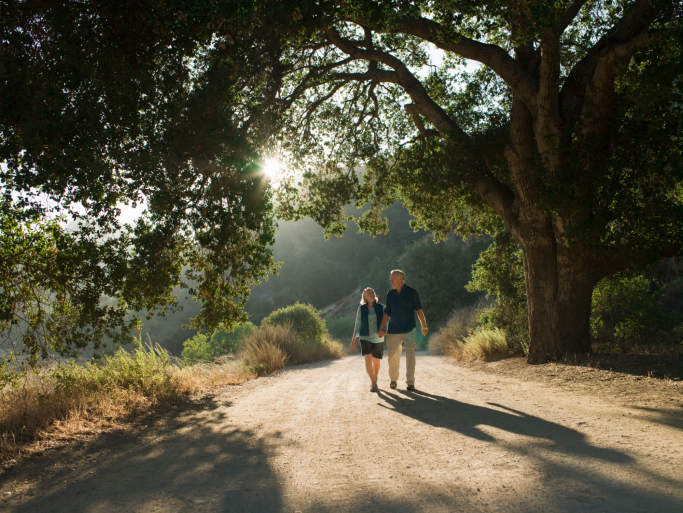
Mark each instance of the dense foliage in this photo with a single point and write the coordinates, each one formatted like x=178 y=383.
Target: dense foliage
x=566 y=134
x=104 y=104
x=219 y=343
x=570 y=133
x=500 y=272
x=635 y=309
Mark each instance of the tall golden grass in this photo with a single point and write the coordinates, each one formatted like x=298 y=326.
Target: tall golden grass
x=71 y=398
x=452 y=333
x=481 y=344
x=270 y=348
x=457 y=340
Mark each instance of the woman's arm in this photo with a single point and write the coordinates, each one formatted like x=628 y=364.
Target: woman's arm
x=356 y=330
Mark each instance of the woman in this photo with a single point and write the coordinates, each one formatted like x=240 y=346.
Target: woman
x=368 y=319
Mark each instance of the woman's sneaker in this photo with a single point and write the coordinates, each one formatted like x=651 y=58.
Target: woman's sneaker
x=374 y=387
x=392 y=384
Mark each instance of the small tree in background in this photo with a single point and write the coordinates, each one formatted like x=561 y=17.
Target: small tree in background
x=303 y=318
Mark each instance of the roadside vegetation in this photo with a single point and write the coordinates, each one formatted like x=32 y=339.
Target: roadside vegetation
x=636 y=311
x=68 y=398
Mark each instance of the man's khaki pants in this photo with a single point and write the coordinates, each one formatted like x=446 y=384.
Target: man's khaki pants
x=394 y=342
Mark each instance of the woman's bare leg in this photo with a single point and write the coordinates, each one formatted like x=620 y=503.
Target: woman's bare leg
x=375 y=367
x=368 y=367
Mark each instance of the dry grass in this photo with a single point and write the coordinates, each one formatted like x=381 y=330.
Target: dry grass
x=448 y=338
x=72 y=399
x=263 y=351
x=270 y=348
x=482 y=344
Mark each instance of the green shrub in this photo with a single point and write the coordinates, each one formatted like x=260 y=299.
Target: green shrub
x=302 y=318
x=626 y=311
x=225 y=341
x=197 y=348
x=219 y=343
x=500 y=272
x=341 y=328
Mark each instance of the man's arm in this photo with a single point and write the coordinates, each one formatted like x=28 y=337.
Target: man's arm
x=423 y=321
x=382 y=327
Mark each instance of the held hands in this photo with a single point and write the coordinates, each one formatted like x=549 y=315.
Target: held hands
x=381 y=333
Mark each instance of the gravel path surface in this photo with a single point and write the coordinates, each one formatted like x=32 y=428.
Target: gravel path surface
x=314 y=438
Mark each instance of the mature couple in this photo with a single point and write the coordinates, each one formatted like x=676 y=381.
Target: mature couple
x=371 y=327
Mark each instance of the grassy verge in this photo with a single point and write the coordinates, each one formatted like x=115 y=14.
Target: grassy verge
x=459 y=340
x=71 y=399
x=482 y=344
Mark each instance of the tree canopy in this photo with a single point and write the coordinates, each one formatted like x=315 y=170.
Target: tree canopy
x=558 y=122
x=104 y=104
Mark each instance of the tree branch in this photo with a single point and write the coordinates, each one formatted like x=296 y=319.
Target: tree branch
x=412 y=110
x=495 y=57
x=634 y=22
x=376 y=75
x=568 y=16
x=494 y=192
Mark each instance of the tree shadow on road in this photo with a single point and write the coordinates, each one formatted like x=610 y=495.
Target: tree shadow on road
x=190 y=464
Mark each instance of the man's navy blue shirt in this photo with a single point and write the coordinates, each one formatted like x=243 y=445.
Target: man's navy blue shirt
x=401 y=308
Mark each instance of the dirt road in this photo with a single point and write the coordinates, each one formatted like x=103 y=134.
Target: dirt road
x=314 y=438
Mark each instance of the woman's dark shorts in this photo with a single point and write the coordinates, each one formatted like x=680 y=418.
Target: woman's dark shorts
x=376 y=350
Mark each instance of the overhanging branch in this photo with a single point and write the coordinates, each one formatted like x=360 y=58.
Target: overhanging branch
x=494 y=192
x=493 y=56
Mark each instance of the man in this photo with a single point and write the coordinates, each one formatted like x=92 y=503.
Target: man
x=402 y=304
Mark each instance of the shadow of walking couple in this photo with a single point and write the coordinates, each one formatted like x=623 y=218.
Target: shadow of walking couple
x=468 y=419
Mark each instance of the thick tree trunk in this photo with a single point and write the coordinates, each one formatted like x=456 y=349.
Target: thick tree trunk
x=559 y=294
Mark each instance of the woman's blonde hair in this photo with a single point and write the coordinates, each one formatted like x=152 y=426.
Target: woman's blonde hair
x=363 y=301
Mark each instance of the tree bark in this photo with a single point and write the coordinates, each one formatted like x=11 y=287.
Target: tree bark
x=559 y=291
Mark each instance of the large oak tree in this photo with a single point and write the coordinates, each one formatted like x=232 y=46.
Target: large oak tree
x=568 y=135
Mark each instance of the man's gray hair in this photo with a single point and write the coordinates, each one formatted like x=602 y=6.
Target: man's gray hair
x=398 y=271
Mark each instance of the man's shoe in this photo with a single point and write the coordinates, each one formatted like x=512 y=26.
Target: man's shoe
x=392 y=384
x=374 y=387
x=411 y=387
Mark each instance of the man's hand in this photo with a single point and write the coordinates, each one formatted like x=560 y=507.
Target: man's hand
x=353 y=343
x=381 y=333
x=425 y=330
